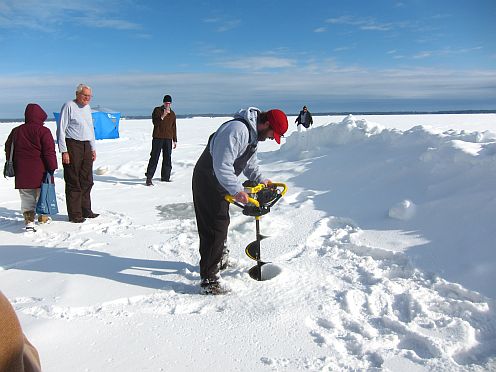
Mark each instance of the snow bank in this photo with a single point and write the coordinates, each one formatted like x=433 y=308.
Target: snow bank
x=446 y=182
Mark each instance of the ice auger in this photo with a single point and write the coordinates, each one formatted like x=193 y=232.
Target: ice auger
x=261 y=199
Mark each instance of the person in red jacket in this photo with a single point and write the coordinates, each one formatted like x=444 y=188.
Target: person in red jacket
x=34 y=154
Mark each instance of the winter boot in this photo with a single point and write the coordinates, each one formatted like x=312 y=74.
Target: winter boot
x=29 y=221
x=213 y=287
x=149 y=182
x=43 y=218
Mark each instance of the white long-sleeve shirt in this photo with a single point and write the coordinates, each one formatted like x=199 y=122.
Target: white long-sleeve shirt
x=76 y=122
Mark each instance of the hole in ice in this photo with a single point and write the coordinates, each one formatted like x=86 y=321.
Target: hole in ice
x=270 y=271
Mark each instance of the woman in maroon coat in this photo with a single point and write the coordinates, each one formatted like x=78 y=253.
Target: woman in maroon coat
x=34 y=154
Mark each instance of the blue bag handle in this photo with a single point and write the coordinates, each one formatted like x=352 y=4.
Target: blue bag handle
x=48 y=178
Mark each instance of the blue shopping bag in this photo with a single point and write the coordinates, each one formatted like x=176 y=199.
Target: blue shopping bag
x=47 y=203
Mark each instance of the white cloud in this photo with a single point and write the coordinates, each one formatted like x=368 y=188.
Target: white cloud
x=223 y=23
x=441 y=16
x=376 y=27
x=371 y=24
x=209 y=50
x=51 y=15
x=320 y=29
x=229 y=25
x=116 y=24
x=224 y=93
x=211 y=20
x=342 y=49
x=257 y=63
x=422 y=54
x=445 y=52
x=368 y=24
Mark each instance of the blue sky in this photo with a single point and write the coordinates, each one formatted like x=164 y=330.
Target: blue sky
x=217 y=56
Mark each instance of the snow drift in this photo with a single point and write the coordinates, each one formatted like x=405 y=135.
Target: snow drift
x=441 y=185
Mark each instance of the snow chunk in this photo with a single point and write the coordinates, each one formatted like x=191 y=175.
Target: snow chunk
x=403 y=210
x=101 y=170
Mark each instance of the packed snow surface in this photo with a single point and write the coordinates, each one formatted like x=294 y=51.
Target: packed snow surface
x=382 y=256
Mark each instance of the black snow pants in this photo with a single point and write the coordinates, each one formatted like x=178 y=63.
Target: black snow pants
x=164 y=146
x=212 y=216
x=211 y=209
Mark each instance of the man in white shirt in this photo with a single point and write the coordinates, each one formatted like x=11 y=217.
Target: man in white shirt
x=76 y=140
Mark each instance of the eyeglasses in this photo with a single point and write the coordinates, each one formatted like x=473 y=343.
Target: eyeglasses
x=86 y=95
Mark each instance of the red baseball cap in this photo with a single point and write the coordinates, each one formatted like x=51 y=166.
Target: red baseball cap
x=278 y=121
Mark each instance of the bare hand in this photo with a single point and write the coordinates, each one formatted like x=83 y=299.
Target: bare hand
x=93 y=155
x=241 y=197
x=174 y=144
x=66 y=159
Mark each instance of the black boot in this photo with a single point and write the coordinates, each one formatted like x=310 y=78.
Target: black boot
x=213 y=287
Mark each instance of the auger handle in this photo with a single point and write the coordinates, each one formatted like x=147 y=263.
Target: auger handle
x=232 y=199
x=279 y=184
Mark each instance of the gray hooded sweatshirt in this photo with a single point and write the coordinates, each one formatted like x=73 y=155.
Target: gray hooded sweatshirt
x=229 y=142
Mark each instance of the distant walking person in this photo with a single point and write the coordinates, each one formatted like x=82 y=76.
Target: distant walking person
x=76 y=137
x=304 y=119
x=34 y=154
x=163 y=141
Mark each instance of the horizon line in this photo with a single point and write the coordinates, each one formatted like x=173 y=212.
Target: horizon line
x=330 y=113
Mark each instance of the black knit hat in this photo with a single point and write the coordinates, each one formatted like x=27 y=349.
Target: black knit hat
x=167 y=98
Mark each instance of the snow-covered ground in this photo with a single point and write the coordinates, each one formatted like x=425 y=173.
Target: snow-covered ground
x=383 y=252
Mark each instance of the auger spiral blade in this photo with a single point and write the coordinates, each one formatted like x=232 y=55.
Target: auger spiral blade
x=256 y=271
x=252 y=250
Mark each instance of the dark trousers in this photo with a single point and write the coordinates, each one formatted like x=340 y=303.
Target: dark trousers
x=78 y=176
x=212 y=216
x=164 y=146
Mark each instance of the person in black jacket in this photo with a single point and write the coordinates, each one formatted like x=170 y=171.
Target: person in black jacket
x=305 y=119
